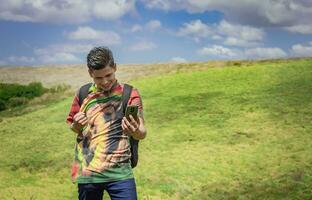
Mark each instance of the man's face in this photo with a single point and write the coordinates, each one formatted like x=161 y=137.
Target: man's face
x=103 y=78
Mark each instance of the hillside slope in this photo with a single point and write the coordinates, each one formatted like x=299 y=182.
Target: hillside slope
x=242 y=132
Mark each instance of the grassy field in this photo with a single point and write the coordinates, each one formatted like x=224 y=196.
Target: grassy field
x=240 y=132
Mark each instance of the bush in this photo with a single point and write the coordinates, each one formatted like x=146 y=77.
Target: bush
x=17 y=101
x=34 y=89
x=234 y=63
x=2 y=105
x=59 y=88
x=237 y=63
x=13 y=95
x=29 y=91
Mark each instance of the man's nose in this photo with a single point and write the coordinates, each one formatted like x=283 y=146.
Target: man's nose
x=104 y=81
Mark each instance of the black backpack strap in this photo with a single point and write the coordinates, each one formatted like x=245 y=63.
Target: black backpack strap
x=134 y=144
x=83 y=92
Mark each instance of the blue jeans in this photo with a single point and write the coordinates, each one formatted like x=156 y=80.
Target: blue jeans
x=117 y=190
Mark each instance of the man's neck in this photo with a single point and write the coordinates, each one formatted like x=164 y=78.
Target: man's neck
x=108 y=92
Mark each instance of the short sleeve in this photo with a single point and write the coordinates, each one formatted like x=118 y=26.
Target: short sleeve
x=135 y=99
x=74 y=109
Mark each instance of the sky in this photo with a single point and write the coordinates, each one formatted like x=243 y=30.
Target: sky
x=49 y=32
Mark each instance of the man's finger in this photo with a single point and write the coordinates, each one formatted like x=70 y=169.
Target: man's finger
x=84 y=121
x=123 y=125
x=79 y=117
x=129 y=125
x=134 y=121
x=126 y=129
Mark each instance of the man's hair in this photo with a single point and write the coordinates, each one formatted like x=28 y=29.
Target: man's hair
x=99 y=58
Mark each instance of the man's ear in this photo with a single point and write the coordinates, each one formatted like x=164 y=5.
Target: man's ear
x=114 y=67
x=90 y=72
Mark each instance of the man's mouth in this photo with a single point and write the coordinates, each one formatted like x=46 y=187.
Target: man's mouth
x=106 y=87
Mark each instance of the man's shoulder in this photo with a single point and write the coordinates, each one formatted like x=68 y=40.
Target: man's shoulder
x=134 y=90
x=85 y=86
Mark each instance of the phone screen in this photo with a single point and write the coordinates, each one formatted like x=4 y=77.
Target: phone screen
x=132 y=110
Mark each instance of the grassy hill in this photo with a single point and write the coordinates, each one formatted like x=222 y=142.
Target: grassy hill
x=240 y=132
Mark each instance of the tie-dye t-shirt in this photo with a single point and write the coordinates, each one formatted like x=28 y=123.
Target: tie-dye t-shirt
x=103 y=152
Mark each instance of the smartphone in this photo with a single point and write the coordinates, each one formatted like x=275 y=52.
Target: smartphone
x=132 y=110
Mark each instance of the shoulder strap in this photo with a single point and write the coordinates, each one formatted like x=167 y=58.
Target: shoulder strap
x=126 y=96
x=83 y=92
x=134 y=144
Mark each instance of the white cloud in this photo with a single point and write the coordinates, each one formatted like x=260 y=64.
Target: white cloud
x=196 y=30
x=2 y=62
x=255 y=13
x=45 y=11
x=62 y=53
x=239 y=35
x=161 y=4
x=301 y=28
x=219 y=52
x=284 y=13
x=136 y=28
x=240 y=31
x=232 y=41
x=142 y=46
x=178 y=60
x=88 y=33
x=58 y=58
x=153 y=25
x=21 y=59
x=66 y=48
x=232 y=34
x=302 y=50
x=217 y=37
x=64 y=11
x=265 y=53
x=112 y=9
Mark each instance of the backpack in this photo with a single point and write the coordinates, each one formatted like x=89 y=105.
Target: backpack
x=134 y=144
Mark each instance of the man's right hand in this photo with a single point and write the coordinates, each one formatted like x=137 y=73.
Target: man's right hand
x=79 y=121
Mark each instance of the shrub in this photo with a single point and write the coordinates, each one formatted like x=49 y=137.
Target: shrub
x=34 y=89
x=59 y=88
x=29 y=91
x=2 y=105
x=237 y=63
x=13 y=95
x=17 y=101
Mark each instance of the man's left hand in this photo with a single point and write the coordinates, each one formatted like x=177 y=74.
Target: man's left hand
x=131 y=125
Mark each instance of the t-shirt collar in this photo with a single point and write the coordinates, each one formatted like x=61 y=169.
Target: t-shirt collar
x=94 y=88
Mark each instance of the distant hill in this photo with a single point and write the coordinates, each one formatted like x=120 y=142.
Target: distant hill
x=76 y=75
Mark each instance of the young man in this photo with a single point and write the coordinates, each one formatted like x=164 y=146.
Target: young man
x=102 y=160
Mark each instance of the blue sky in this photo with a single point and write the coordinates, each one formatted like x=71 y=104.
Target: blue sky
x=152 y=31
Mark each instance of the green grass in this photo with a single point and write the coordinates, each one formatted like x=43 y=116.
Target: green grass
x=242 y=132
